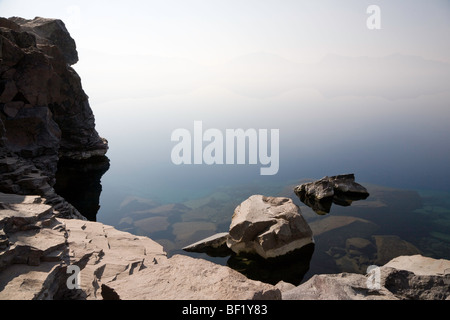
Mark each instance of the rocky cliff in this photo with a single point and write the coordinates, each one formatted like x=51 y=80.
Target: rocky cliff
x=44 y=112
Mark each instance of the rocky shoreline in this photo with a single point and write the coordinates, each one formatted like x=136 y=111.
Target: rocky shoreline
x=36 y=249
x=45 y=119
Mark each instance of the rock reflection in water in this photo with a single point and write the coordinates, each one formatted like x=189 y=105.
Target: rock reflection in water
x=392 y=222
x=290 y=268
x=79 y=182
x=341 y=190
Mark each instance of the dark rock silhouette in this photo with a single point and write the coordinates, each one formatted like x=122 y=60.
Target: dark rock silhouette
x=44 y=112
x=321 y=194
x=79 y=182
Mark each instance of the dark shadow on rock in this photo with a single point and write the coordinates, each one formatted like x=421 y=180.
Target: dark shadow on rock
x=220 y=252
x=290 y=268
x=79 y=182
x=320 y=207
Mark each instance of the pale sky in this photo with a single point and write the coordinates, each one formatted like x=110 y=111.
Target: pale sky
x=213 y=31
x=160 y=46
x=272 y=64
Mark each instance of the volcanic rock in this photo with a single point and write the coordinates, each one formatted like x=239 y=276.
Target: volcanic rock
x=321 y=194
x=44 y=112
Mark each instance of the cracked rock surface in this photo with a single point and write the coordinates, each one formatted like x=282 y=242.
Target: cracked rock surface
x=36 y=248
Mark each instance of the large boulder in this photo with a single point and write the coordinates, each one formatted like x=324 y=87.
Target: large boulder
x=268 y=241
x=269 y=227
x=342 y=286
x=417 y=278
x=50 y=32
x=403 y=278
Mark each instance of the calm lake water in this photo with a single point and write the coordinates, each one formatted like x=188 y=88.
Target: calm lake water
x=393 y=135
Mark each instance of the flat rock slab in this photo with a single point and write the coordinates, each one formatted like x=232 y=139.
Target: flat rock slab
x=25 y=211
x=186 y=278
x=421 y=265
x=18 y=199
x=215 y=245
x=343 y=286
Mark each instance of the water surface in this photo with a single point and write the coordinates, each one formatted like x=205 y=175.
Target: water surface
x=389 y=129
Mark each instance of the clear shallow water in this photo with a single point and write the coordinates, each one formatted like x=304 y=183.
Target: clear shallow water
x=395 y=139
x=391 y=222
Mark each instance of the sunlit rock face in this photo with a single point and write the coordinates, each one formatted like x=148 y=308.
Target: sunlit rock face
x=268 y=240
x=268 y=226
x=38 y=250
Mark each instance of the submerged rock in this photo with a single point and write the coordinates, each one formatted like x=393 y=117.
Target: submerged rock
x=341 y=190
x=391 y=246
